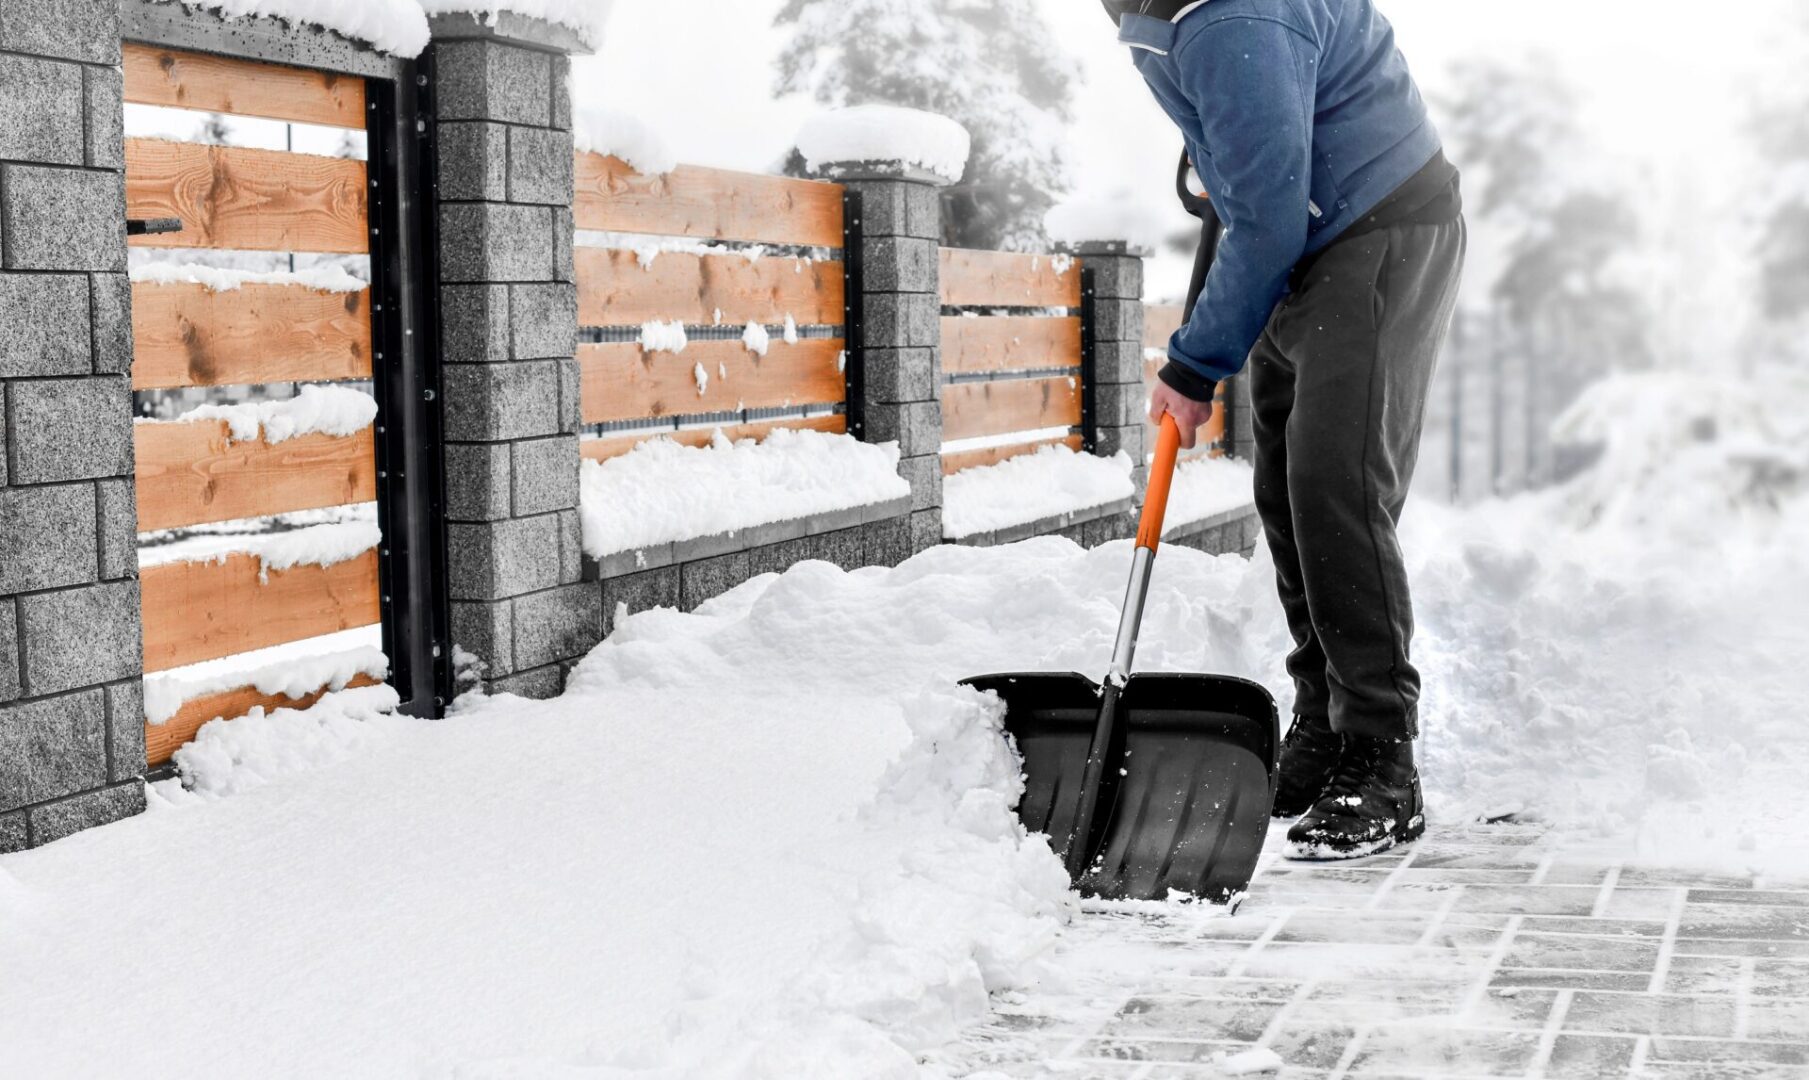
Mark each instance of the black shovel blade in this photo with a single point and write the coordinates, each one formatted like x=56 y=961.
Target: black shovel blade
x=1185 y=804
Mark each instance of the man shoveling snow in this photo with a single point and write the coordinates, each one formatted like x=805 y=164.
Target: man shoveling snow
x=1335 y=279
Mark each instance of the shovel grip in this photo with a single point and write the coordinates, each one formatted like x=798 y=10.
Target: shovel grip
x=1161 y=478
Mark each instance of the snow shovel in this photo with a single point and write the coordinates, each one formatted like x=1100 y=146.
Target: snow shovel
x=1151 y=783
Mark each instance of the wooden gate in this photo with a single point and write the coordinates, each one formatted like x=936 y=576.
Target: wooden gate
x=335 y=338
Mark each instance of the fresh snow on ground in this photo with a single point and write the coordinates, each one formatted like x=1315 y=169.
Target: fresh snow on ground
x=882 y=133
x=617 y=134
x=294 y=669
x=1031 y=487
x=315 y=410
x=1205 y=487
x=217 y=279
x=662 y=491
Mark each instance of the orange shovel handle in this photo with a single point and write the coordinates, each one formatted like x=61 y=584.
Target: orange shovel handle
x=1161 y=478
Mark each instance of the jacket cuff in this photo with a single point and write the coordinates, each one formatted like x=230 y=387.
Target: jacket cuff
x=1187 y=382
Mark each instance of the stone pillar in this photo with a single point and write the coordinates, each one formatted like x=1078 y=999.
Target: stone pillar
x=900 y=223
x=1112 y=325
x=509 y=329
x=71 y=700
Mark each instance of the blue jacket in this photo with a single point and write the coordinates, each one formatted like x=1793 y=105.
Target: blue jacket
x=1300 y=117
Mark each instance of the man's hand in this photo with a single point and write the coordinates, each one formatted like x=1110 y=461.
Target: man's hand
x=1190 y=415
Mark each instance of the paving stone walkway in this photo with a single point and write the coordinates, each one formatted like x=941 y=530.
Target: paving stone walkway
x=1479 y=952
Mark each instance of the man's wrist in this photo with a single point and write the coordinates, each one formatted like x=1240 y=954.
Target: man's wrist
x=1187 y=382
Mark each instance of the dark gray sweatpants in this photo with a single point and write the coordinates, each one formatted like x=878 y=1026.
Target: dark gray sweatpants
x=1338 y=386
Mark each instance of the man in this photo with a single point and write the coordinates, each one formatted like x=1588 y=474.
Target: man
x=1335 y=278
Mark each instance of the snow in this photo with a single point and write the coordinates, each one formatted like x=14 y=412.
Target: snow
x=398 y=27
x=1206 y=487
x=885 y=133
x=315 y=410
x=1031 y=487
x=295 y=670
x=585 y=17
x=217 y=279
x=1124 y=217
x=611 y=133
x=318 y=545
x=757 y=340
x=627 y=501
x=657 y=336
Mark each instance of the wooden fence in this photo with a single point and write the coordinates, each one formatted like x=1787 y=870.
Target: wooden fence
x=1009 y=373
x=188 y=335
x=632 y=392
x=1160 y=321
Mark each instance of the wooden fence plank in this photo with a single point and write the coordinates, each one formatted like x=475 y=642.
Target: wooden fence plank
x=1008 y=279
x=195 y=611
x=1212 y=430
x=161 y=741
x=1014 y=343
x=191 y=473
x=241 y=198
x=976 y=409
x=974 y=459
x=614 y=289
x=1160 y=321
x=190 y=335
x=606 y=448
x=620 y=382
x=708 y=203
x=186 y=80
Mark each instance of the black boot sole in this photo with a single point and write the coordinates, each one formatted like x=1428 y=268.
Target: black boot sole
x=1333 y=851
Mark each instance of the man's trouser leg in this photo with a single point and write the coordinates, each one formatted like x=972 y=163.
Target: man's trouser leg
x=1338 y=388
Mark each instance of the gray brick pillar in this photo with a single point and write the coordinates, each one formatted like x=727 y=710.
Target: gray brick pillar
x=509 y=329
x=1112 y=329
x=900 y=283
x=1240 y=430
x=71 y=700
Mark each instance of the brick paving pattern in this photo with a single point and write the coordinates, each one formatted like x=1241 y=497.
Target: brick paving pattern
x=1479 y=952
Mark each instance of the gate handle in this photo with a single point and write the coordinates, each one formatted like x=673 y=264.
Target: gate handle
x=150 y=226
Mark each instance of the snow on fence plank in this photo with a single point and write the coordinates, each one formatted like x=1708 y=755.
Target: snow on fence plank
x=195 y=611
x=1001 y=343
x=192 y=334
x=623 y=382
x=1008 y=279
x=977 y=409
x=706 y=203
x=194 y=472
x=617 y=288
x=247 y=199
x=607 y=448
x=186 y=80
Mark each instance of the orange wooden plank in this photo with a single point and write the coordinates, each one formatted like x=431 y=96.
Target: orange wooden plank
x=620 y=382
x=1009 y=343
x=974 y=459
x=161 y=741
x=709 y=203
x=604 y=449
x=614 y=289
x=190 y=335
x=976 y=409
x=241 y=198
x=195 y=611
x=192 y=473
x=1211 y=431
x=1008 y=279
x=1160 y=321
x=186 y=80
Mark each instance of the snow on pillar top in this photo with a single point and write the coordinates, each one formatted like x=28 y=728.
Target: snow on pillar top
x=1120 y=224
x=884 y=142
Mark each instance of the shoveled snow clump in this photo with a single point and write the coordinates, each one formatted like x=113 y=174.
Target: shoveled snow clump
x=217 y=279
x=1054 y=480
x=1121 y=218
x=616 y=134
x=627 y=501
x=316 y=410
x=885 y=133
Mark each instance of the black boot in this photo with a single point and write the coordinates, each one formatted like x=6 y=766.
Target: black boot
x=1372 y=804
x=1309 y=757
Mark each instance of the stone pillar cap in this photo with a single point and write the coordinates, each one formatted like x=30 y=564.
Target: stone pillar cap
x=1122 y=223
x=885 y=142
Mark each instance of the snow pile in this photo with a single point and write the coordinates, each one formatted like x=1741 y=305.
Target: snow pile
x=615 y=134
x=330 y=278
x=627 y=501
x=398 y=27
x=230 y=757
x=585 y=17
x=318 y=545
x=1125 y=217
x=1031 y=487
x=1206 y=487
x=885 y=133
x=293 y=670
x=316 y=410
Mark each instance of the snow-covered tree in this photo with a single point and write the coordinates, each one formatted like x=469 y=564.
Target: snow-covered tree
x=1781 y=133
x=993 y=65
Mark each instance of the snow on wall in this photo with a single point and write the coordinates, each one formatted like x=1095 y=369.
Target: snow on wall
x=1205 y=487
x=398 y=27
x=585 y=17
x=611 y=133
x=1126 y=217
x=218 y=279
x=1030 y=487
x=294 y=670
x=885 y=133
x=628 y=502
x=316 y=410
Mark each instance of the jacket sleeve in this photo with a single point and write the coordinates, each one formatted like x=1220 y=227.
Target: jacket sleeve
x=1255 y=105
